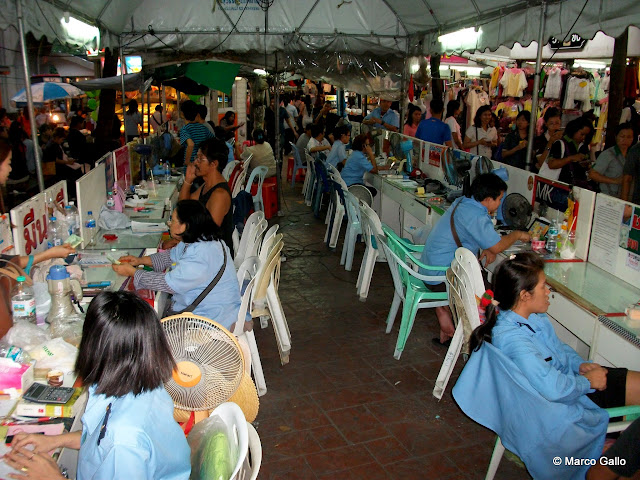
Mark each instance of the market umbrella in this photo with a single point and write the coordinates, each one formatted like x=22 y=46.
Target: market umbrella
x=214 y=75
x=46 y=91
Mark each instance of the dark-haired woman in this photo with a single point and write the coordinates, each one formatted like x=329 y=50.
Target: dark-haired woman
x=413 y=120
x=132 y=121
x=453 y=110
x=481 y=137
x=569 y=156
x=514 y=150
x=553 y=132
x=193 y=264
x=262 y=153
x=227 y=123
x=128 y=430
x=518 y=326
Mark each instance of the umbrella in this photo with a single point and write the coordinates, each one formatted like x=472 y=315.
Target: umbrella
x=46 y=91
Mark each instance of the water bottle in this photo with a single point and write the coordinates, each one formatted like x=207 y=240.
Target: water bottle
x=167 y=171
x=71 y=219
x=552 y=237
x=14 y=353
x=54 y=237
x=90 y=226
x=111 y=202
x=23 y=301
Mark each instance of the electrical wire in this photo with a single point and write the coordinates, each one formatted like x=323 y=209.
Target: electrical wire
x=233 y=28
x=548 y=62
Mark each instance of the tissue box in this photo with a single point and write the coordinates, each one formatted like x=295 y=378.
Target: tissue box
x=15 y=378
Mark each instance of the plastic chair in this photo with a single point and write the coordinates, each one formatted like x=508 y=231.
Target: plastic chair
x=322 y=186
x=483 y=381
x=235 y=238
x=335 y=213
x=226 y=172
x=238 y=183
x=267 y=245
x=297 y=164
x=310 y=179
x=409 y=289
x=251 y=224
x=269 y=234
x=363 y=193
x=465 y=284
x=266 y=302
x=252 y=463
x=371 y=228
x=354 y=228
x=261 y=173
x=247 y=271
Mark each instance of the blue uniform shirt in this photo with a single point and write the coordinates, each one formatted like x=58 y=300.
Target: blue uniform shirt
x=230 y=157
x=195 y=266
x=337 y=154
x=355 y=168
x=474 y=228
x=390 y=117
x=433 y=130
x=141 y=440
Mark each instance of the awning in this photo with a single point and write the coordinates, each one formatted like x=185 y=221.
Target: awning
x=132 y=82
x=214 y=75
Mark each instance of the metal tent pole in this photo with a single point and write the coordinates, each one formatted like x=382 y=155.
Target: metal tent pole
x=27 y=88
x=279 y=160
x=122 y=70
x=536 y=87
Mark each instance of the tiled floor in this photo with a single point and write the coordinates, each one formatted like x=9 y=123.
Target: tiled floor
x=344 y=408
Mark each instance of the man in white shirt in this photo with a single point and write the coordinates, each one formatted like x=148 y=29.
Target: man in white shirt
x=293 y=114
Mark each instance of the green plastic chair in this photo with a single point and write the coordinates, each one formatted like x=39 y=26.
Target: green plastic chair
x=409 y=288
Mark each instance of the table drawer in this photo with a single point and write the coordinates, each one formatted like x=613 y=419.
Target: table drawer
x=575 y=319
x=617 y=350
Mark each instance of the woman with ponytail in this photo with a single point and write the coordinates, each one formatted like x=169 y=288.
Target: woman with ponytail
x=545 y=397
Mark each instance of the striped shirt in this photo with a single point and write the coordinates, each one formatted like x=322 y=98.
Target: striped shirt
x=196 y=132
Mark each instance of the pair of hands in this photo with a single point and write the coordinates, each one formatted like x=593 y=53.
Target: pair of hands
x=486 y=143
x=128 y=266
x=523 y=144
x=33 y=464
x=596 y=374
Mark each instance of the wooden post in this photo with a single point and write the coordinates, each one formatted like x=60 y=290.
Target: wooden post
x=616 y=86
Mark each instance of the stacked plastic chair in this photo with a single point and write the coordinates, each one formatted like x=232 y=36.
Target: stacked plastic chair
x=260 y=173
x=310 y=180
x=354 y=230
x=251 y=238
x=322 y=186
x=239 y=180
x=336 y=209
x=371 y=229
x=297 y=164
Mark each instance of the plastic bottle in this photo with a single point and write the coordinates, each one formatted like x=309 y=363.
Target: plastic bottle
x=111 y=203
x=91 y=228
x=54 y=236
x=552 y=237
x=14 y=353
x=23 y=301
x=167 y=171
x=71 y=219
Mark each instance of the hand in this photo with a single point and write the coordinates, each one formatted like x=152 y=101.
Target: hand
x=368 y=151
x=597 y=378
x=489 y=256
x=587 y=367
x=125 y=270
x=483 y=142
x=578 y=157
x=41 y=443
x=61 y=251
x=525 y=237
x=617 y=181
x=131 y=260
x=240 y=124
x=555 y=137
x=379 y=120
x=34 y=465
x=190 y=174
x=523 y=144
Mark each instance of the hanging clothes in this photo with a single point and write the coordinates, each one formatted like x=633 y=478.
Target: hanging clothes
x=514 y=82
x=475 y=99
x=578 y=90
x=554 y=83
x=603 y=88
x=631 y=81
x=495 y=80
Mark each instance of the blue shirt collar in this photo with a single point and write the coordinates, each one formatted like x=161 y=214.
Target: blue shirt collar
x=96 y=409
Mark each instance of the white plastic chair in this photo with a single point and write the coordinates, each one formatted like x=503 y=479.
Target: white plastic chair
x=267 y=245
x=362 y=193
x=273 y=229
x=252 y=463
x=297 y=163
x=261 y=173
x=354 y=228
x=310 y=179
x=226 y=172
x=371 y=228
x=235 y=238
x=336 y=209
x=251 y=224
x=238 y=183
x=465 y=284
x=308 y=176
x=253 y=242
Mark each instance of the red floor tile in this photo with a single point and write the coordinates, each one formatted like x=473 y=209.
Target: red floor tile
x=333 y=461
x=357 y=424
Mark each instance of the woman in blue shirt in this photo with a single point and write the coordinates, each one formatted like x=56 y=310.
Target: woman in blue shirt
x=518 y=326
x=359 y=162
x=193 y=263
x=128 y=430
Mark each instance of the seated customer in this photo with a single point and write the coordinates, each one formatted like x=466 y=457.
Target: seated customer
x=303 y=141
x=519 y=327
x=318 y=146
x=215 y=193
x=338 y=154
x=193 y=264
x=359 y=162
x=56 y=162
x=471 y=228
x=262 y=154
x=128 y=430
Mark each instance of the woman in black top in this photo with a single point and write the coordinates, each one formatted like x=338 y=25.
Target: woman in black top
x=514 y=150
x=567 y=155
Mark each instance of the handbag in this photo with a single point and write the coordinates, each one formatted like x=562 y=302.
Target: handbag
x=205 y=292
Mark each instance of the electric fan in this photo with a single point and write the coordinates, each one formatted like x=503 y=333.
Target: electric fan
x=361 y=193
x=455 y=169
x=210 y=364
x=406 y=148
x=483 y=165
x=516 y=211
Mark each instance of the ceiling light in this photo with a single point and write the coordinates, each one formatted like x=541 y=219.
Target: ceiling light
x=462 y=39
x=260 y=71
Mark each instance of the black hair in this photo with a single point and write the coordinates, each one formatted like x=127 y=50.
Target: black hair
x=5 y=150
x=202 y=110
x=411 y=108
x=316 y=130
x=339 y=131
x=308 y=126
x=75 y=121
x=258 y=136
x=158 y=108
x=487 y=185
x=436 y=105
x=552 y=112
x=198 y=221
x=623 y=126
x=510 y=278
x=3 y=113
x=132 y=107
x=59 y=133
x=477 y=122
x=189 y=109
x=227 y=116
x=525 y=114
x=575 y=125
x=216 y=149
x=358 y=143
x=452 y=108
x=123 y=348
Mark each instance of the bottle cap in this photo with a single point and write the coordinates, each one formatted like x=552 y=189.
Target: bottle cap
x=21 y=279
x=89 y=212
x=53 y=219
